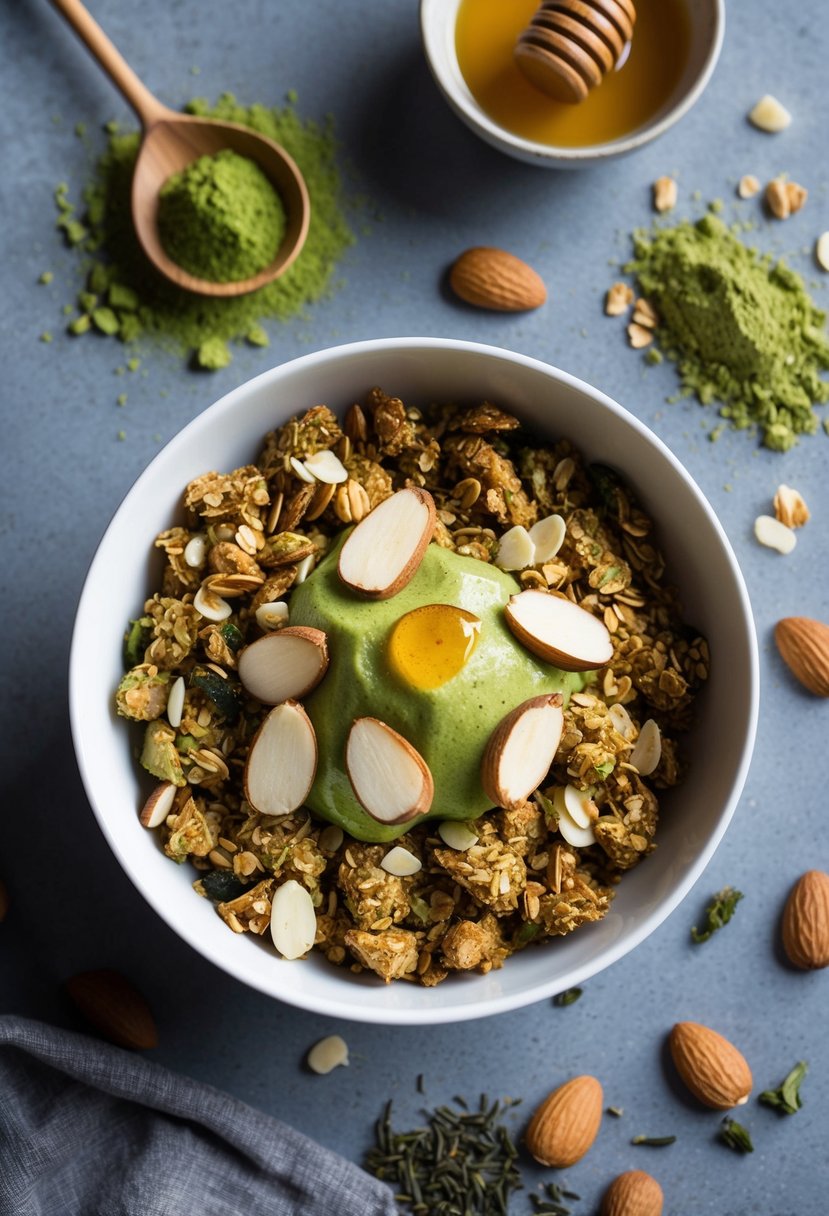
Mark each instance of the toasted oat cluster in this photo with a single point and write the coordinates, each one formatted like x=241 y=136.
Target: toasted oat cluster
x=463 y=900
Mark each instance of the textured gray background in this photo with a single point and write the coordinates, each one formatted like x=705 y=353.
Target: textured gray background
x=433 y=189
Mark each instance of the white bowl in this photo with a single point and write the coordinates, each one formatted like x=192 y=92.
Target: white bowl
x=421 y=370
x=437 y=25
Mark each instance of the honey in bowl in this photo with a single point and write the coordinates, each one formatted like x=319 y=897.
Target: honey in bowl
x=485 y=36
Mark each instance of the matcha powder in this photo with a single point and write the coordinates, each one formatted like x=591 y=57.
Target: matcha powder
x=741 y=328
x=126 y=297
x=220 y=218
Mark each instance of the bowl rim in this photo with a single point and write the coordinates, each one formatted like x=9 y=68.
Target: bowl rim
x=436 y=1014
x=433 y=19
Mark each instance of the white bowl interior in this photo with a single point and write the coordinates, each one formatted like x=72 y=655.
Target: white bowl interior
x=437 y=23
x=228 y=434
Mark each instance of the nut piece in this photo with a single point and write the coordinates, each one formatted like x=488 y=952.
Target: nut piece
x=664 y=194
x=457 y=835
x=804 y=648
x=797 y=196
x=566 y=1123
x=712 y=1068
x=639 y=336
x=400 y=862
x=633 y=1193
x=806 y=922
x=647 y=751
x=645 y=314
x=749 y=186
x=773 y=534
x=491 y=278
x=158 y=806
x=618 y=299
x=282 y=761
x=293 y=920
x=284 y=665
x=784 y=198
x=769 y=115
x=110 y=1003
x=390 y=779
x=383 y=552
x=521 y=749
x=558 y=631
x=329 y=1053
x=790 y=508
x=822 y=251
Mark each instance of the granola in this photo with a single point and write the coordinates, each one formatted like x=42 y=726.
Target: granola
x=248 y=536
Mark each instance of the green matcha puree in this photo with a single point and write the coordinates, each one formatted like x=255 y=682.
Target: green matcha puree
x=220 y=218
x=449 y=725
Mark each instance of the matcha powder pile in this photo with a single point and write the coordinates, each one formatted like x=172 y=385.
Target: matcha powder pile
x=126 y=298
x=741 y=329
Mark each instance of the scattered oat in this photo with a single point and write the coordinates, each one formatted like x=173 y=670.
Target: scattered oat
x=329 y=1053
x=749 y=186
x=645 y=314
x=618 y=299
x=639 y=336
x=769 y=115
x=790 y=508
x=664 y=194
x=774 y=534
x=822 y=251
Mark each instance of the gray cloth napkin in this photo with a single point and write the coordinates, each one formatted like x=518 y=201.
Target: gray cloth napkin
x=87 y=1129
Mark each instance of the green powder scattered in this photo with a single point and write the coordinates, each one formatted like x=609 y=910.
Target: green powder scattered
x=220 y=218
x=741 y=328
x=115 y=265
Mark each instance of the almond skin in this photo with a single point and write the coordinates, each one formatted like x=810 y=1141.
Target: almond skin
x=804 y=648
x=566 y=1123
x=806 y=922
x=713 y=1069
x=491 y=278
x=633 y=1193
x=110 y=1003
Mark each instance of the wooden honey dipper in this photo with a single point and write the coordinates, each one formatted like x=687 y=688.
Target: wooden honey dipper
x=570 y=45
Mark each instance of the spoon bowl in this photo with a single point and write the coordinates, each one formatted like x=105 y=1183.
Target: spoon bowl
x=172 y=141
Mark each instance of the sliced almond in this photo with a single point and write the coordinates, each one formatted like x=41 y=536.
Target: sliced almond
x=384 y=551
x=557 y=630
x=293 y=919
x=548 y=536
x=769 y=115
x=822 y=251
x=520 y=750
x=790 y=507
x=175 y=702
x=390 y=779
x=158 y=806
x=273 y=615
x=647 y=751
x=326 y=466
x=329 y=1053
x=285 y=665
x=211 y=606
x=580 y=806
x=301 y=471
x=457 y=835
x=622 y=722
x=575 y=835
x=400 y=862
x=282 y=761
x=748 y=186
x=774 y=534
x=516 y=549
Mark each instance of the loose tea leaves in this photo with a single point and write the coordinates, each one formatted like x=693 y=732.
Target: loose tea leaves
x=786 y=1098
x=461 y=1162
x=735 y=1136
x=718 y=913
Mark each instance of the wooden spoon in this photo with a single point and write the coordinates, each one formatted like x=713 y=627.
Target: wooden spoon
x=171 y=141
x=570 y=45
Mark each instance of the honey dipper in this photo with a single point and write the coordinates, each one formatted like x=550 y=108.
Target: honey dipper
x=570 y=45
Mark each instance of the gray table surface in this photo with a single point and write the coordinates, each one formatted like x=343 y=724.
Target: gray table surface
x=433 y=189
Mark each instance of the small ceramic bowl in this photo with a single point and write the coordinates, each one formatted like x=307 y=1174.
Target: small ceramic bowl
x=421 y=370
x=437 y=23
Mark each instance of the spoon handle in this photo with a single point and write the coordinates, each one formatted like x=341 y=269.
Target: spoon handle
x=148 y=108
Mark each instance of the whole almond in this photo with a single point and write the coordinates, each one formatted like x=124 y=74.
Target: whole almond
x=566 y=1123
x=492 y=278
x=633 y=1193
x=110 y=1003
x=804 y=648
x=806 y=921
x=713 y=1069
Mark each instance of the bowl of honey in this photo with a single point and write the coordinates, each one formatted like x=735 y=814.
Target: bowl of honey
x=663 y=69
